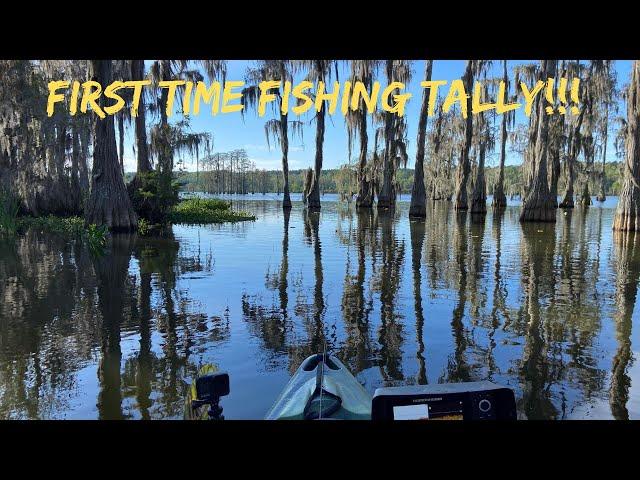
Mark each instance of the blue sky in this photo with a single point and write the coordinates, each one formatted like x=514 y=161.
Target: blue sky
x=230 y=131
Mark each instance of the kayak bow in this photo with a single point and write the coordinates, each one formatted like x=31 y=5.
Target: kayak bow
x=322 y=388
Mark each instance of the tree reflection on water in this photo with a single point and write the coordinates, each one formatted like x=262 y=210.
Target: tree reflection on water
x=545 y=309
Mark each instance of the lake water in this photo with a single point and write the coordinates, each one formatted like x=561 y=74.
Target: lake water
x=548 y=310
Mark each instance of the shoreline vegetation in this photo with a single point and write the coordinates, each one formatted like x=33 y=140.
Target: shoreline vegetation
x=192 y=211
x=203 y=211
x=338 y=180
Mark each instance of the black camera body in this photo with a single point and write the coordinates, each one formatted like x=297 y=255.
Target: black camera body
x=212 y=386
x=209 y=388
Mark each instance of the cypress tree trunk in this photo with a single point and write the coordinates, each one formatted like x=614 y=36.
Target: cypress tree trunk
x=75 y=190
x=585 y=197
x=554 y=154
x=574 y=146
x=556 y=126
x=313 y=199
x=306 y=186
x=628 y=211
x=284 y=124
x=365 y=193
x=567 y=199
x=121 y=140
x=386 y=196
x=538 y=204
x=59 y=201
x=499 y=198
x=461 y=202
x=109 y=202
x=479 y=197
x=418 y=206
x=142 y=147
x=85 y=138
x=601 y=195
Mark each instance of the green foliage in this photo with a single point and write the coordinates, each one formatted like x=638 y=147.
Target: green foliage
x=143 y=227
x=96 y=238
x=64 y=225
x=153 y=195
x=73 y=227
x=199 y=211
x=8 y=212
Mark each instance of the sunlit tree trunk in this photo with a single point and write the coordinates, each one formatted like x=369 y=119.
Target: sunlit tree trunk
x=538 y=204
x=418 y=194
x=284 y=124
x=109 y=202
x=365 y=194
x=395 y=138
x=313 y=200
x=585 y=196
x=627 y=215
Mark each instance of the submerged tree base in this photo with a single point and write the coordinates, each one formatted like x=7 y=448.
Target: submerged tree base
x=585 y=196
x=499 y=198
x=385 y=203
x=538 y=207
x=418 y=211
x=201 y=211
x=478 y=205
x=567 y=200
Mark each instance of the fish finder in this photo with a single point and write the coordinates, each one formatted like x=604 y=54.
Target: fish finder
x=447 y=401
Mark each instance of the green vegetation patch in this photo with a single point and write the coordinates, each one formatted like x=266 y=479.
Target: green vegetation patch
x=210 y=210
x=51 y=223
x=96 y=237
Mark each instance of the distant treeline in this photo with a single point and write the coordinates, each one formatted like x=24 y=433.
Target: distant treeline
x=338 y=180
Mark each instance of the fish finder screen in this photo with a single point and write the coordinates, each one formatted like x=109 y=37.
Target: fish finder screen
x=425 y=411
x=411 y=412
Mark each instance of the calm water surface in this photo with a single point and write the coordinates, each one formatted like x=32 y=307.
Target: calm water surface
x=548 y=310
